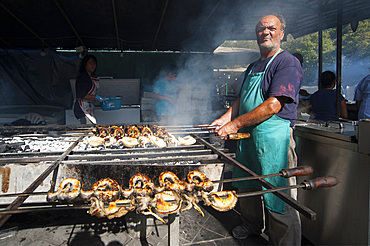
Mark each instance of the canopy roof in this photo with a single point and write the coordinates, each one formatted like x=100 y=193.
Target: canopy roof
x=175 y=25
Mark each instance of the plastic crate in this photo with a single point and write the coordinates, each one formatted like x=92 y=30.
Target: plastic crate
x=111 y=103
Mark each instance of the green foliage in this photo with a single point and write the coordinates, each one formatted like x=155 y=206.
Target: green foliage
x=356 y=44
x=355 y=49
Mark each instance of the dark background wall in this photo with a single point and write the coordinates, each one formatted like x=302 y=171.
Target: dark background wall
x=27 y=78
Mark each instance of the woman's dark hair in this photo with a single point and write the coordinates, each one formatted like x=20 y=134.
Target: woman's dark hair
x=327 y=79
x=84 y=62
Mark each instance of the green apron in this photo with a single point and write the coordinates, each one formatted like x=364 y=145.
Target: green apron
x=266 y=151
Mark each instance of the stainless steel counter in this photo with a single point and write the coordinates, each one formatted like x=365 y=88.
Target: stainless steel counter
x=343 y=211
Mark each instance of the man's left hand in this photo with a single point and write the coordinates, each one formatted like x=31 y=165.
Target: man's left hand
x=227 y=129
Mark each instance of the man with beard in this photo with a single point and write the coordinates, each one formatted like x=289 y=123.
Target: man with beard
x=267 y=109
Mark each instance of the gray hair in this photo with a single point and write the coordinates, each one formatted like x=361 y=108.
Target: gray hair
x=281 y=19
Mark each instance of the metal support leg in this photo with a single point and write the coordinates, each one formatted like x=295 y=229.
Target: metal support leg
x=173 y=230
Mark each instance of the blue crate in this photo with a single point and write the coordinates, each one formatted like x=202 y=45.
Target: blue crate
x=111 y=103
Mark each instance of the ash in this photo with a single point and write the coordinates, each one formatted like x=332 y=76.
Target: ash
x=46 y=144
x=52 y=144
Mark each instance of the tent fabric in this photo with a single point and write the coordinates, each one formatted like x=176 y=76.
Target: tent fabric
x=150 y=25
x=26 y=78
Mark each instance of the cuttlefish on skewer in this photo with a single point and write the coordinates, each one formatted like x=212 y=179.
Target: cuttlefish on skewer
x=69 y=189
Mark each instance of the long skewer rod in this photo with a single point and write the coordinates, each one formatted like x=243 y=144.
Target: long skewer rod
x=289 y=200
x=329 y=181
x=307 y=185
x=285 y=173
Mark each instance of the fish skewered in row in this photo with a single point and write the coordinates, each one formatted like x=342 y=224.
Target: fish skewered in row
x=109 y=199
x=136 y=135
x=71 y=189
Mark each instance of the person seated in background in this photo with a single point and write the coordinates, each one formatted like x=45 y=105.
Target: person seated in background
x=166 y=92
x=323 y=101
x=362 y=98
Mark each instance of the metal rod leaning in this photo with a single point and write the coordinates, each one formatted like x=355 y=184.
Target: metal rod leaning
x=289 y=200
x=19 y=200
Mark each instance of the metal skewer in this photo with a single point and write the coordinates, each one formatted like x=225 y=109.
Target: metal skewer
x=25 y=194
x=285 y=173
x=190 y=132
x=320 y=182
x=307 y=185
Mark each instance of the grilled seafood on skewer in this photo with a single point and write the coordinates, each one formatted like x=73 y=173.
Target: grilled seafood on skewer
x=142 y=203
x=191 y=201
x=143 y=141
x=187 y=140
x=69 y=189
x=52 y=196
x=159 y=131
x=140 y=180
x=157 y=141
x=166 y=202
x=150 y=212
x=95 y=141
x=132 y=135
x=119 y=208
x=200 y=181
x=109 y=141
x=132 y=132
x=171 y=140
x=115 y=209
x=101 y=132
x=85 y=195
x=146 y=132
x=141 y=185
x=107 y=189
x=128 y=141
x=116 y=132
x=96 y=207
x=223 y=200
x=170 y=181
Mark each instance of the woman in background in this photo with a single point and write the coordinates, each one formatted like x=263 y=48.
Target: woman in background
x=323 y=101
x=86 y=89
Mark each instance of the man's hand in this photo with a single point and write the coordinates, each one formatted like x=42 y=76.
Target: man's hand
x=228 y=128
x=218 y=123
x=261 y=113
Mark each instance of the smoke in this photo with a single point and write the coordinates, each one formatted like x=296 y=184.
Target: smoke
x=198 y=101
x=195 y=85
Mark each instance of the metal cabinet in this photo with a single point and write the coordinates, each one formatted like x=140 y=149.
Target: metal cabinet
x=342 y=211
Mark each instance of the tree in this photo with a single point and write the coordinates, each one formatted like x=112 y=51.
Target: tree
x=355 y=52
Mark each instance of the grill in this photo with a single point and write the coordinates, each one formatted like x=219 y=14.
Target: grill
x=90 y=165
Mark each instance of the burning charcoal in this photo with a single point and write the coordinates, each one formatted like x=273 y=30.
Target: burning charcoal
x=26 y=148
